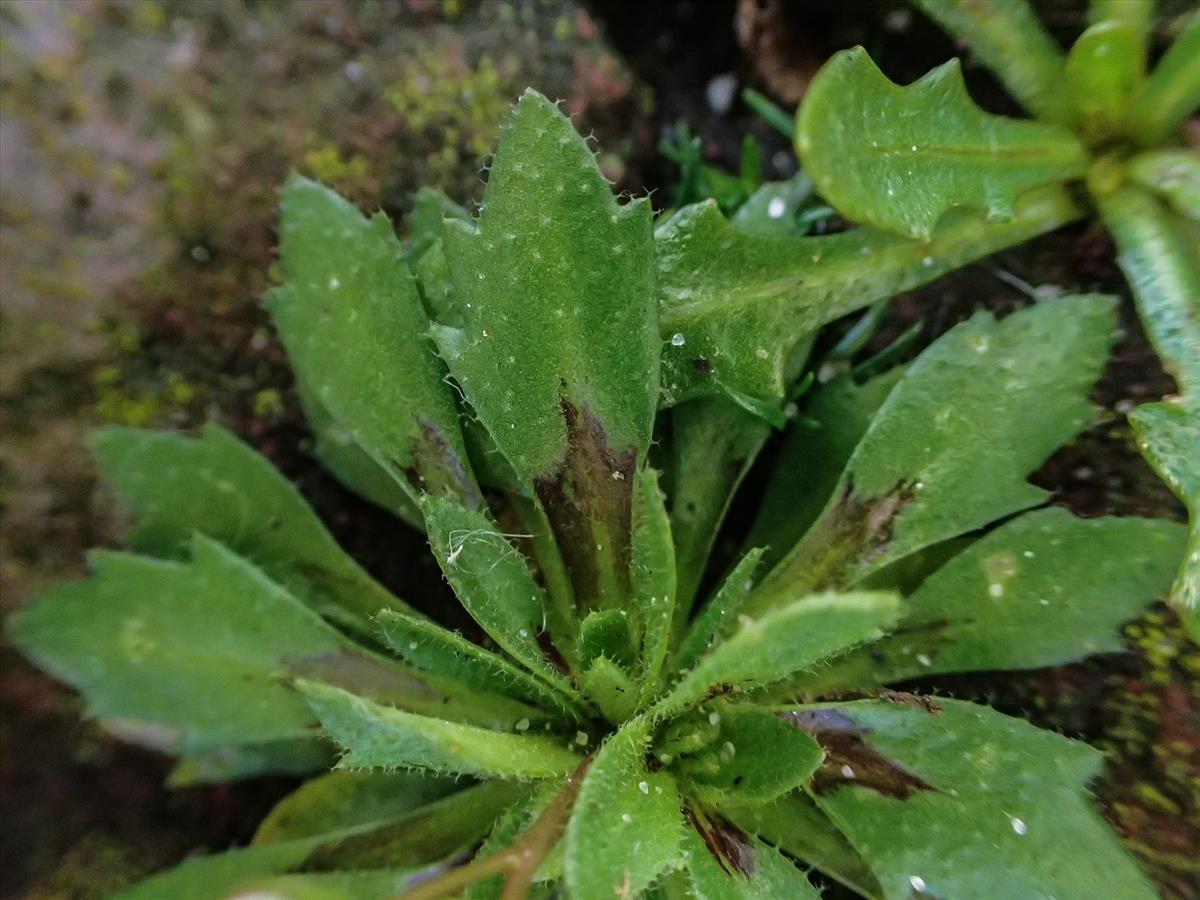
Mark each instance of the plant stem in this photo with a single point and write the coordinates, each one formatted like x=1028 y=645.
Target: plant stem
x=519 y=862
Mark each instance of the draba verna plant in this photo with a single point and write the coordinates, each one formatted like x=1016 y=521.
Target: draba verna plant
x=565 y=397
x=896 y=158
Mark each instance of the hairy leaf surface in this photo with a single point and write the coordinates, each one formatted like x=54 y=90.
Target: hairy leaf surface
x=348 y=288
x=626 y=826
x=896 y=158
x=375 y=736
x=428 y=646
x=755 y=757
x=557 y=283
x=789 y=639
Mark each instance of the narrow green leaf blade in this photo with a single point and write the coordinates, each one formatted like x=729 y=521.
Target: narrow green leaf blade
x=430 y=647
x=717 y=619
x=950 y=448
x=382 y=737
x=1006 y=36
x=713 y=444
x=943 y=796
x=896 y=158
x=626 y=826
x=339 y=800
x=218 y=486
x=1169 y=437
x=1162 y=266
x=491 y=579
x=348 y=291
x=733 y=306
x=1044 y=589
x=653 y=578
x=1172 y=92
x=789 y=639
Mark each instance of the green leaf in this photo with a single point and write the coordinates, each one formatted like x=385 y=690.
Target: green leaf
x=382 y=737
x=1172 y=92
x=1162 y=266
x=1169 y=437
x=491 y=579
x=773 y=208
x=795 y=825
x=732 y=306
x=561 y=276
x=626 y=826
x=424 y=835
x=289 y=756
x=759 y=871
x=1006 y=36
x=713 y=443
x=340 y=800
x=949 y=449
x=717 y=618
x=427 y=646
x=219 y=487
x=353 y=466
x=352 y=321
x=812 y=457
x=430 y=207
x=559 y=352
x=653 y=578
x=1104 y=70
x=755 y=757
x=197 y=650
x=896 y=158
x=217 y=877
x=1044 y=589
x=789 y=639
x=611 y=688
x=942 y=796
x=1175 y=174
x=1137 y=16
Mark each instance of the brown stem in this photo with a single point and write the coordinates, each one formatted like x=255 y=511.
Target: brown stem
x=519 y=861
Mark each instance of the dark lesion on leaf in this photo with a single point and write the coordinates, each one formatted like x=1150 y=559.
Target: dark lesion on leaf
x=849 y=760
x=728 y=844
x=438 y=470
x=701 y=364
x=589 y=503
x=852 y=533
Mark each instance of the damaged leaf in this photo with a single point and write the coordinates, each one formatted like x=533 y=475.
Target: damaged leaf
x=959 y=795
